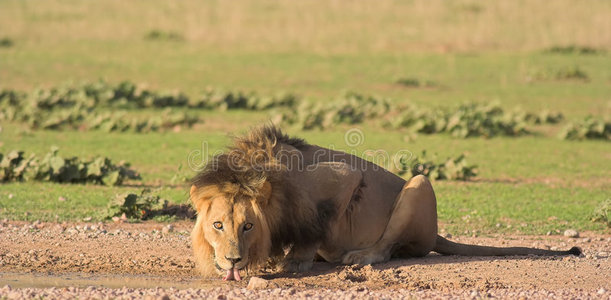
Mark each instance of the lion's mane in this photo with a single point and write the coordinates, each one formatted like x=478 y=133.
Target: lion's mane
x=242 y=171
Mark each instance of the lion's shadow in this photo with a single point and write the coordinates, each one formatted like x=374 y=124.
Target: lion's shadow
x=325 y=268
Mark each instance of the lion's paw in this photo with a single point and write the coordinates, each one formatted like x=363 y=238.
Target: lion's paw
x=297 y=266
x=363 y=257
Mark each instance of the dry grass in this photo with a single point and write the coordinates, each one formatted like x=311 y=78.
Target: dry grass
x=320 y=26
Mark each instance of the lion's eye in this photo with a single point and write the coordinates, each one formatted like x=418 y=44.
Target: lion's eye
x=247 y=226
x=218 y=225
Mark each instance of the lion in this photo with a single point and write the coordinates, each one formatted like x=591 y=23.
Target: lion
x=275 y=198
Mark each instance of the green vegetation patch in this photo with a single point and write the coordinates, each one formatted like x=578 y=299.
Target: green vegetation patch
x=146 y=205
x=588 y=128
x=6 y=43
x=223 y=100
x=157 y=34
x=411 y=82
x=128 y=95
x=573 y=49
x=14 y=166
x=467 y=120
x=602 y=213
x=103 y=106
x=450 y=169
x=351 y=108
x=559 y=73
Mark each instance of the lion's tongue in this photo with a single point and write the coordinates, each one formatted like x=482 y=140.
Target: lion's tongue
x=229 y=275
x=232 y=274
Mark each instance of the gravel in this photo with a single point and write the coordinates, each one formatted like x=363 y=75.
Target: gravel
x=154 y=261
x=278 y=293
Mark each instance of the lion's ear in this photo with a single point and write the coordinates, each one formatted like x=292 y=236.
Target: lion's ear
x=265 y=193
x=195 y=200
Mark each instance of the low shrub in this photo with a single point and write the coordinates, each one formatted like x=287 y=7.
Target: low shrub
x=588 y=128
x=468 y=120
x=602 y=213
x=562 y=73
x=15 y=166
x=351 y=108
x=6 y=43
x=103 y=106
x=163 y=35
x=450 y=169
x=415 y=83
x=133 y=206
x=225 y=100
x=146 y=205
x=573 y=49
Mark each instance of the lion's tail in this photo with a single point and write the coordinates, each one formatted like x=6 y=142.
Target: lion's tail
x=447 y=247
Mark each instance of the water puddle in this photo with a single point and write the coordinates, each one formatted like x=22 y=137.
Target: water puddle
x=43 y=280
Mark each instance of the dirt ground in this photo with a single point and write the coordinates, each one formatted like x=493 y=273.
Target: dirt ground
x=153 y=260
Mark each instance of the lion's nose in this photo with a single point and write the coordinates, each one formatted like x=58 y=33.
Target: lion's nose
x=233 y=260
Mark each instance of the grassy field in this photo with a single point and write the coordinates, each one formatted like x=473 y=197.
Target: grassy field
x=472 y=51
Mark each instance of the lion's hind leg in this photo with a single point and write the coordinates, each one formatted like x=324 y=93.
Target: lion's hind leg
x=411 y=229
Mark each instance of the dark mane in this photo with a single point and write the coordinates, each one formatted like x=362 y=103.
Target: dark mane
x=274 y=133
x=249 y=162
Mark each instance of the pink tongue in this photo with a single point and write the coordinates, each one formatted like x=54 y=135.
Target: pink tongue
x=229 y=275
x=233 y=274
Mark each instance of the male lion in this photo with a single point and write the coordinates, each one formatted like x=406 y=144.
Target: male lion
x=276 y=197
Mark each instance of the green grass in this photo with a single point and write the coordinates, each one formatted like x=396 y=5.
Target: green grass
x=41 y=201
x=472 y=51
x=517 y=208
x=521 y=180
x=461 y=78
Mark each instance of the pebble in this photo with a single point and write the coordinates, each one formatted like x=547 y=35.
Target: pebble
x=257 y=283
x=240 y=293
x=602 y=254
x=168 y=228
x=572 y=233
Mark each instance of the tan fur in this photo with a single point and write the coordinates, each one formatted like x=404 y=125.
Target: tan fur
x=203 y=237
x=251 y=190
x=313 y=201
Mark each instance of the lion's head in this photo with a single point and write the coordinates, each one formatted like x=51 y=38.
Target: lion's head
x=231 y=233
x=246 y=205
x=232 y=198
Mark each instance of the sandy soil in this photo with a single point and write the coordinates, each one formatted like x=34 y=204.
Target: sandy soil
x=154 y=260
